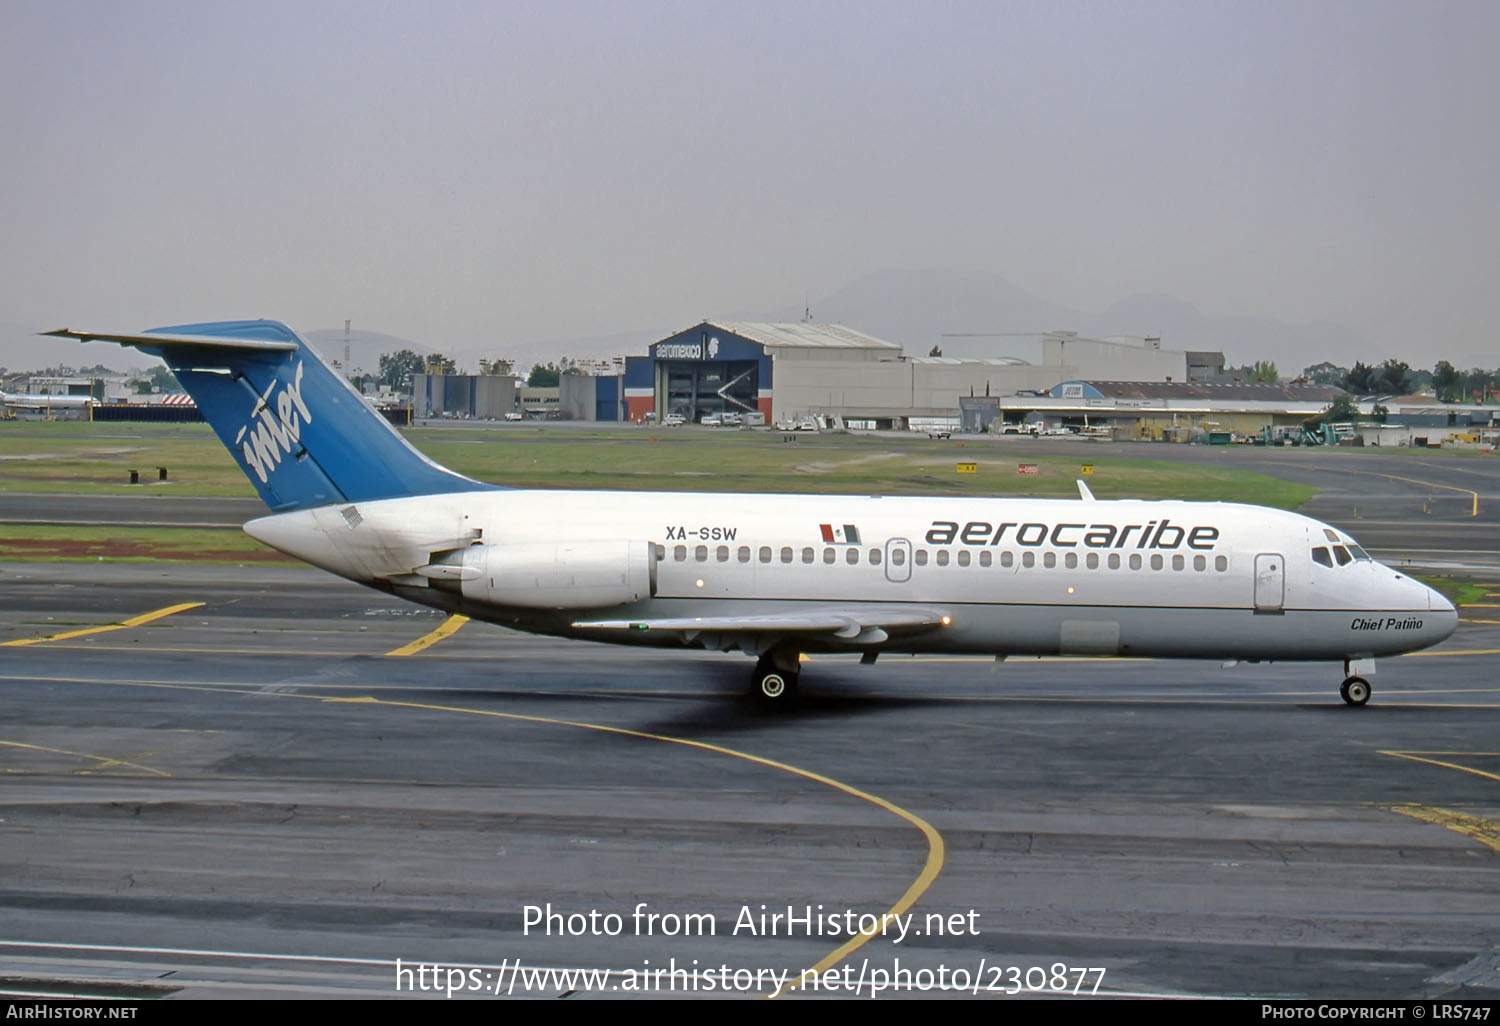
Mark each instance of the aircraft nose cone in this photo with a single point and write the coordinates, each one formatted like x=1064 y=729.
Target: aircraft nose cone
x=1442 y=616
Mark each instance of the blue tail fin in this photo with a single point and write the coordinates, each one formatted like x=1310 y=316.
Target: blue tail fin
x=301 y=433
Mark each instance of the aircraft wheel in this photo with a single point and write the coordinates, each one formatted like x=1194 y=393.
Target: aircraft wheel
x=1355 y=690
x=771 y=685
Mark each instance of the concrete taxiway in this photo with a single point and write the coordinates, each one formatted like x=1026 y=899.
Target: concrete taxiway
x=251 y=795
x=243 y=781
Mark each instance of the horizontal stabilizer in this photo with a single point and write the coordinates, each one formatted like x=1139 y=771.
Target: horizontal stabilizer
x=197 y=341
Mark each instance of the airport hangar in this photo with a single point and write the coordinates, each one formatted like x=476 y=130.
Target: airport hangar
x=785 y=371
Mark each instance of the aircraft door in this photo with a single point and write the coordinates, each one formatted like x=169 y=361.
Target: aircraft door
x=1270 y=582
x=898 y=560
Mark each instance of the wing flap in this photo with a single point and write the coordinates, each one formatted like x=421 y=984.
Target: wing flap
x=841 y=622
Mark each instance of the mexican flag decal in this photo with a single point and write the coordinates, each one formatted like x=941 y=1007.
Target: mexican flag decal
x=848 y=534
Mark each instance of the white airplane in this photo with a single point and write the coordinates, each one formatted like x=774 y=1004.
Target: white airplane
x=32 y=403
x=778 y=576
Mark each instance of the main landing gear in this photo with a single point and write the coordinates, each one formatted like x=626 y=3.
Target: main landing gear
x=1355 y=690
x=774 y=682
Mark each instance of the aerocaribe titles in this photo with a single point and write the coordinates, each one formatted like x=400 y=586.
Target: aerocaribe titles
x=274 y=429
x=1154 y=534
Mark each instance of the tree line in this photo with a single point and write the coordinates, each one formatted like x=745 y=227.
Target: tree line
x=396 y=369
x=1395 y=377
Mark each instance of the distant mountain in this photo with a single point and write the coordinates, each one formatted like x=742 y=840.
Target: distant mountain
x=918 y=308
x=597 y=347
x=365 y=347
x=1242 y=340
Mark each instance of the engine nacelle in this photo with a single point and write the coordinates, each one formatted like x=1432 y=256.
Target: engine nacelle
x=560 y=575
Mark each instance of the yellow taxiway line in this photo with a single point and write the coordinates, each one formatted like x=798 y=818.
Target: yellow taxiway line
x=134 y=621
x=104 y=761
x=1486 y=832
x=1427 y=758
x=1429 y=484
x=935 y=846
x=931 y=867
x=447 y=627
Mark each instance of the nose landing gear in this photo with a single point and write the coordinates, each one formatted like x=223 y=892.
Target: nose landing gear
x=1355 y=690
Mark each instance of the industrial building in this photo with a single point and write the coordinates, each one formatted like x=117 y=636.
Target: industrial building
x=467 y=396
x=771 y=373
x=787 y=371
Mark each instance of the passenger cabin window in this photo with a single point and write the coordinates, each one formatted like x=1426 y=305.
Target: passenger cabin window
x=1178 y=563
x=1049 y=560
x=942 y=557
x=985 y=558
x=765 y=553
x=828 y=556
x=851 y=556
x=1114 y=561
x=921 y=557
x=1156 y=561
x=786 y=553
x=680 y=553
x=1135 y=561
x=874 y=557
x=1321 y=556
x=1221 y=563
x=898 y=557
x=1071 y=561
x=1007 y=558
x=1092 y=560
x=701 y=553
x=743 y=555
x=723 y=554
x=1028 y=559
x=1200 y=563
x=963 y=558
x=807 y=556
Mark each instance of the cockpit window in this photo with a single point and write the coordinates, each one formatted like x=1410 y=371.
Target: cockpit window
x=1320 y=555
x=1330 y=535
x=1342 y=555
x=1360 y=553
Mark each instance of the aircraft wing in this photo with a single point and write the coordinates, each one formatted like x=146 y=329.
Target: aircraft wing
x=864 y=624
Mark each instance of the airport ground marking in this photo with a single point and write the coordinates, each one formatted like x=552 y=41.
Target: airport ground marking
x=445 y=629
x=931 y=867
x=134 y=621
x=104 y=761
x=1428 y=484
x=936 y=849
x=1485 y=831
x=1427 y=757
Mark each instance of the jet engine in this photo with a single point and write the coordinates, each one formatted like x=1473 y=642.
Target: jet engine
x=559 y=575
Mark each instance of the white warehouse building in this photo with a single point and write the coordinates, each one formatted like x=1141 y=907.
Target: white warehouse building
x=786 y=371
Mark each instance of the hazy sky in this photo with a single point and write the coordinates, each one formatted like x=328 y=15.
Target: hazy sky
x=456 y=172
